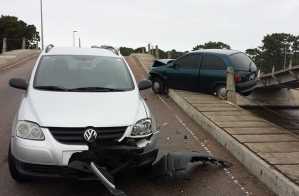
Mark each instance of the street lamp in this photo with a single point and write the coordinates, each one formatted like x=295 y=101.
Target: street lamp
x=42 y=24
x=74 y=38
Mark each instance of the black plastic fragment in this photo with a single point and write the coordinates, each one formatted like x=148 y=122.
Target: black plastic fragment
x=181 y=164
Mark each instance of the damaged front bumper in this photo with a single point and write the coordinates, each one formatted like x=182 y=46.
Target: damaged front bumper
x=57 y=157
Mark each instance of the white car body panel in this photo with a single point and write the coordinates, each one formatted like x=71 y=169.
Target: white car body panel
x=75 y=109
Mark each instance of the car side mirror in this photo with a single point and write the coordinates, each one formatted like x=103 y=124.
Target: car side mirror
x=18 y=83
x=144 y=84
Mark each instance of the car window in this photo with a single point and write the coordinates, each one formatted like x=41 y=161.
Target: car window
x=211 y=61
x=79 y=71
x=191 y=61
x=241 y=61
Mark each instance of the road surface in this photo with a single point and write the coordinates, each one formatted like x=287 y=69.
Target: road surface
x=178 y=133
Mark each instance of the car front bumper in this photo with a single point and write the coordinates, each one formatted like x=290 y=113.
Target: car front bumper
x=39 y=158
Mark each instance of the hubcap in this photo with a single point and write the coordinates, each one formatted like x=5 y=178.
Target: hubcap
x=222 y=92
x=156 y=86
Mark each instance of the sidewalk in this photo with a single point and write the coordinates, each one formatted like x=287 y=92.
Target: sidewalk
x=11 y=58
x=269 y=152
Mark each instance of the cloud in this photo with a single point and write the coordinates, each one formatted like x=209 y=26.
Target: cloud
x=169 y=23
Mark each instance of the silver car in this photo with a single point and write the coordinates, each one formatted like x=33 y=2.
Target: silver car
x=75 y=101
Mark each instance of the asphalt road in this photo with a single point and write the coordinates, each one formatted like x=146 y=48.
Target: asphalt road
x=178 y=133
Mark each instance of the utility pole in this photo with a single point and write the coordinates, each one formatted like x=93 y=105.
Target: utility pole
x=79 y=42
x=74 y=38
x=42 y=24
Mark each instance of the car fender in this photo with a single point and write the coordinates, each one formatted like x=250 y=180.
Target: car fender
x=157 y=74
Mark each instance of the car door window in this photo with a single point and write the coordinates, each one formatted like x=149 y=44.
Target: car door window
x=191 y=61
x=212 y=62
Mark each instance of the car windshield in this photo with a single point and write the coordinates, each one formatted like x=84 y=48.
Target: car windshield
x=242 y=62
x=82 y=73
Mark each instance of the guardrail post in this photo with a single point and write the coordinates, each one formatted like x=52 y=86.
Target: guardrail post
x=149 y=48
x=23 y=43
x=4 y=45
x=157 y=52
x=230 y=84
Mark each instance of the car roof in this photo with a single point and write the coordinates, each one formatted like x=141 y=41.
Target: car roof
x=217 y=51
x=80 y=51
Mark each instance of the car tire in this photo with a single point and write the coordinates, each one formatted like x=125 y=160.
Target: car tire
x=221 y=91
x=158 y=86
x=15 y=174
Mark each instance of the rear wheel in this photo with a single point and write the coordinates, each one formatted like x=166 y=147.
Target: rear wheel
x=221 y=91
x=15 y=174
x=158 y=86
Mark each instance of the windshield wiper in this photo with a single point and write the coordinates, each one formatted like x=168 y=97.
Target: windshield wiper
x=96 y=89
x=51 y=88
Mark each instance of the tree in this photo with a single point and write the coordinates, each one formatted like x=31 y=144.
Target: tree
x=175 y=54
x=256 y=55
x=277 y=49
x=212 y=45
x=140 y=50
x=14 y=30
x=126 y=51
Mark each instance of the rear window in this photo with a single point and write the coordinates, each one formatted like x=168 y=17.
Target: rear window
x=241 y=61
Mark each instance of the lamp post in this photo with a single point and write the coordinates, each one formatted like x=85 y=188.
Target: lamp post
x=74 y=38
x=42 y=24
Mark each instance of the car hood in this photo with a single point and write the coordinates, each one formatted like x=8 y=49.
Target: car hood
x=77 y=109
x=162 y=62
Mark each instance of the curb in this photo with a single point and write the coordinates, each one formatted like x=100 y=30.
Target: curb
x=275 y=181
x=16 y=62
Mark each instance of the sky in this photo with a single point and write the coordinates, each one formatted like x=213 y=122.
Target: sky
x=171 y=24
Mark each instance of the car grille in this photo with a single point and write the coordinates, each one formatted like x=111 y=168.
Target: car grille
x=75 y=135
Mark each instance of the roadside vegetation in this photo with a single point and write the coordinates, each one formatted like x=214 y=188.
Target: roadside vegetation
x=277 y=49
x=15 y=30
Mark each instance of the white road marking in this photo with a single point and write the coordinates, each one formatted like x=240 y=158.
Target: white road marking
x=227 y=172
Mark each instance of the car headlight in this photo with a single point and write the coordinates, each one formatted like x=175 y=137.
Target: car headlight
x=29 y=130
x=142 y=128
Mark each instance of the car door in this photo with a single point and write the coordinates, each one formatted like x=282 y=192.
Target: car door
x=212 y=72
x=184 y=74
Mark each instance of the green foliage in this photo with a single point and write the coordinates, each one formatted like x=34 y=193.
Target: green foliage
x=140 y=50
x=275 y=47
x=212 y=45
x=175 y=54
x=126 y=51
x=14 y=30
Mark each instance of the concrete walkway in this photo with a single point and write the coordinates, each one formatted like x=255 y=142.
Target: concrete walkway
x=9 y=59
x=270 y=152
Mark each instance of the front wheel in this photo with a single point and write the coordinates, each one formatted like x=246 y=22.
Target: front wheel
x=158 y=86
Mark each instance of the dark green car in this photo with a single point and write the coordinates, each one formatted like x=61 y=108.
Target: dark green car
x=205 y=70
